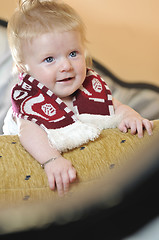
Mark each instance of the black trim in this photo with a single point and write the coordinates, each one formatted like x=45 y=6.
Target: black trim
x=137 y=85
x=3 y=23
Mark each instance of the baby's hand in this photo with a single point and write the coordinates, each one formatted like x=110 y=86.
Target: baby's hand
x=136 y=123
x=60 y=173
x=131 y=120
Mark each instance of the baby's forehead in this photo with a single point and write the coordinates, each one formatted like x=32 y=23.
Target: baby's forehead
x=53 y=42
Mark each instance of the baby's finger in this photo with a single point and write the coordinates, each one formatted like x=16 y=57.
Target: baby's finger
x=65 y=180
x=72 y=174
x=151 y=124
x=59 y=184
x=148 y=126
x=51 y=181
x=139 y=128
x=122 y=127
x=133 y=127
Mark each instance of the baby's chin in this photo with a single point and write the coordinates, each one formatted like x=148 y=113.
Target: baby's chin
x=67 y=94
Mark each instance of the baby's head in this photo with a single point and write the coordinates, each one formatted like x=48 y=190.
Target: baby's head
x=36 y=17
x=45 y=35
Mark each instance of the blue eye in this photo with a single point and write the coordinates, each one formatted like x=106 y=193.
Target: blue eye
x=73 y=54
x=49 y=60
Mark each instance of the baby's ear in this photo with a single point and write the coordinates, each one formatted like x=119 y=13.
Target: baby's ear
x=20 y=68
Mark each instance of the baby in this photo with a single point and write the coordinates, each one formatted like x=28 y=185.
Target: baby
x=59 y=102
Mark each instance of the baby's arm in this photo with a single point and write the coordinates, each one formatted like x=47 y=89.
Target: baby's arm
x=60 y=171
x=131 y=119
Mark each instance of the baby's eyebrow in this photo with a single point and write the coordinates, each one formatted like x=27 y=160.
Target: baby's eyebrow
x=46 y=55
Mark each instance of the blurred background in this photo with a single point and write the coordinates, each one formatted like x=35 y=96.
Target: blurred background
x=123 y=35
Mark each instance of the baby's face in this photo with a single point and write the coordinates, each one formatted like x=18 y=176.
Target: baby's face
x=57 y=60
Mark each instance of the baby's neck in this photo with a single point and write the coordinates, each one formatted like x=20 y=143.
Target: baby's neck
x=68 y=101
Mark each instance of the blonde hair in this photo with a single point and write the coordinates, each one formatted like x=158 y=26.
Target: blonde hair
x=35 y=17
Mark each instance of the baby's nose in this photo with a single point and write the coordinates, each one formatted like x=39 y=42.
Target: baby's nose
x=65 y=65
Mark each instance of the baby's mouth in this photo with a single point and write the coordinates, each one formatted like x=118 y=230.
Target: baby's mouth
x=65 y=79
